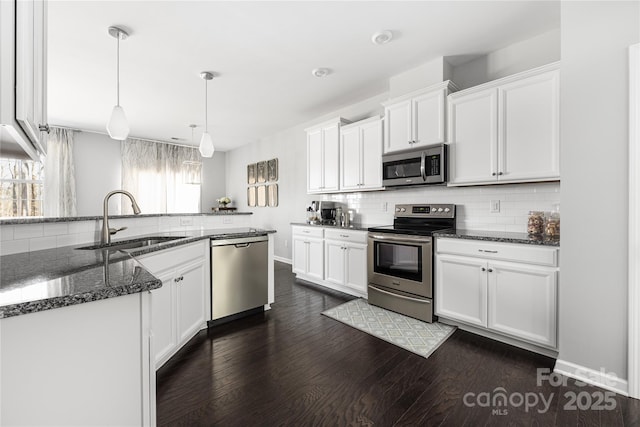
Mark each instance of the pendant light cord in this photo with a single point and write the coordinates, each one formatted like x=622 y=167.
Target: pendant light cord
x=206 y=106
x=118 y=71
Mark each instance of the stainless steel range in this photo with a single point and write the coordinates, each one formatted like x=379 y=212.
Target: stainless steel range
x=400 y=259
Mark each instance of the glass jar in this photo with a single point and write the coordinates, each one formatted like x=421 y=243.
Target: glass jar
x=535 y=224
x=552 y=225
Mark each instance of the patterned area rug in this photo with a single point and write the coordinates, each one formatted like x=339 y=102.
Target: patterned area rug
x=411 y=334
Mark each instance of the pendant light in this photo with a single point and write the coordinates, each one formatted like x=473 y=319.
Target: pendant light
x=118 y=127
x=206 y=143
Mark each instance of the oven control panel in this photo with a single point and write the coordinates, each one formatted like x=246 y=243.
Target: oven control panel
x=426 y=211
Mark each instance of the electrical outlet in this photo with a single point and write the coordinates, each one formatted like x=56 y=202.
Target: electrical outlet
x=186 y=221
x=227 y=220
x=495 y=206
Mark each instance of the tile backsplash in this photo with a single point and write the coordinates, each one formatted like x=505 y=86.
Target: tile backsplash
x=472 y=204
x=32 y=237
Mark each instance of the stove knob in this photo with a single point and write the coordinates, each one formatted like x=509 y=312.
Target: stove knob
x=402 y=209
x=440 y=209
x=397 y=209
x=447 y=210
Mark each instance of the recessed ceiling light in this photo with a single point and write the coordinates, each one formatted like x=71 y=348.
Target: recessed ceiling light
x=321 y=72
x=382 y=37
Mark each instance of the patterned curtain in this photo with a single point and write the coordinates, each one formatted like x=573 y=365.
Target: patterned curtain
x=161 y=176
x=59 y=175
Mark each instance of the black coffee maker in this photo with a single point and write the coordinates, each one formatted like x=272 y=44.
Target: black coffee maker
x=327 y=211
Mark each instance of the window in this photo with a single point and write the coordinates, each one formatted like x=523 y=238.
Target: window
x=21 y=185
x=164 y=178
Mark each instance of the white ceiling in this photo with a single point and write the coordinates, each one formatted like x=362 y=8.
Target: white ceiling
x=262 y=53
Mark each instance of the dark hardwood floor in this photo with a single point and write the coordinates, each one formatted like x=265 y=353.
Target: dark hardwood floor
x=291 y=366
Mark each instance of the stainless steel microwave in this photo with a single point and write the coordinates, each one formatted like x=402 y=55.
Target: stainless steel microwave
x=427 y=165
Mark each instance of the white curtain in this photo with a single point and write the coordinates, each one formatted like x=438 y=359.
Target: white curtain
x=161 y=177
x=59 y=175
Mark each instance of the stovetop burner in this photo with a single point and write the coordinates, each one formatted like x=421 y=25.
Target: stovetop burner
x=420 y=220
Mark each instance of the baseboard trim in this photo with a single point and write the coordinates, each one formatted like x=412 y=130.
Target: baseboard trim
x=600 y=378
x=281 y=259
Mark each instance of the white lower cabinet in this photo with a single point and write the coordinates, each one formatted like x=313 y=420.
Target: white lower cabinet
x=515 y=298
x=180 y=308
x=346 y=264
x=308 y=252
x=331 y=257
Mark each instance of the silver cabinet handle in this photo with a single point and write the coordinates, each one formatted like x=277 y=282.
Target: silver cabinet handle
x=493 y=174
x=490 y=270
x=500 y=173
x=484 y=269
x=178 y=279
x=344 y=235
x=487 y=252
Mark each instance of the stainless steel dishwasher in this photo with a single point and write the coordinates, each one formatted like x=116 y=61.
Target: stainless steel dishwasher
x=239 y=277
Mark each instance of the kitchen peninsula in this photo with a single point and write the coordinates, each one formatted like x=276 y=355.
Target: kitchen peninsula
x=87 y=314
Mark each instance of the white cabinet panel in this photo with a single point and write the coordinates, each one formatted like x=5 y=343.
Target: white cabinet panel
x=506 y=130
x=522 y=302
x=428 y=117
x=361 y=155
x=474 y=136
x=163 y=313
x=299 y=255
x=316 y=259
x=461 y=289
x=356 y=267
x=314 y=160
x=417 y=119
x=529 y=142
x=335 y=262
x=350 y=159
x=323 y=156
x=308 y=253
x=190 y=294
x=398 y=127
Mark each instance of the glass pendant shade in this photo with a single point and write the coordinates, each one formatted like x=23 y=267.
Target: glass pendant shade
x=118 y=127
x=206 y=145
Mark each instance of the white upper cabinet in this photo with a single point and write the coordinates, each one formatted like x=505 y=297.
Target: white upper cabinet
x=23 y=76
x=361 y=155
x=417 y=119
x=323 y=158
x=506 y=130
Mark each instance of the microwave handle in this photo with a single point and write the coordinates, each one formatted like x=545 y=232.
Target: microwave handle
x=423 y=156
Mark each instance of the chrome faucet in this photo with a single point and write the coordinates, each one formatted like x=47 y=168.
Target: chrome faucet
x=106 y=231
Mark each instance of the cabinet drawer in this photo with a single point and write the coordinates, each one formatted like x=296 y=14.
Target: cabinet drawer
x=499 y=251
x=171 y=258
x=308 y=231
x=346 y=235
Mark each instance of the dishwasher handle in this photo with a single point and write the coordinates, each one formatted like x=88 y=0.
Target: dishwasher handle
x=238 y=241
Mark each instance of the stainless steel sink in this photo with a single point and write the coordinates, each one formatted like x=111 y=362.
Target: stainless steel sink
x=141 y=242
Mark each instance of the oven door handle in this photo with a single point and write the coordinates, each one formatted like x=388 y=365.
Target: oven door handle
x=403 y=239
x=425 y=301
x=423 y=172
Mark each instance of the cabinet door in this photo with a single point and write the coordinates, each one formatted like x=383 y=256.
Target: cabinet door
x=31 y=68
x=461 y=289
x=334 y=261
x=314 y=161
x=315 y=267
x=428 y=117
x=331 y=157
x=473 y=138
x=528 y=135
x=190 y=291
x=350 y=159
x=371 y=143
x=398 y=127
x=356 y=267
x=163 y=319
x=299 y=255
x=522 y=302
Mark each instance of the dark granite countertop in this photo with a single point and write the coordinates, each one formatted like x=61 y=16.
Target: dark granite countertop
x=357 y=227
x=42 y=219
x=59 y=277
x=498 y=236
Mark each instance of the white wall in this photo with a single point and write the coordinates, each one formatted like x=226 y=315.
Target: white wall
x=98 y=165
x=525 y=55
x=594 y=132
